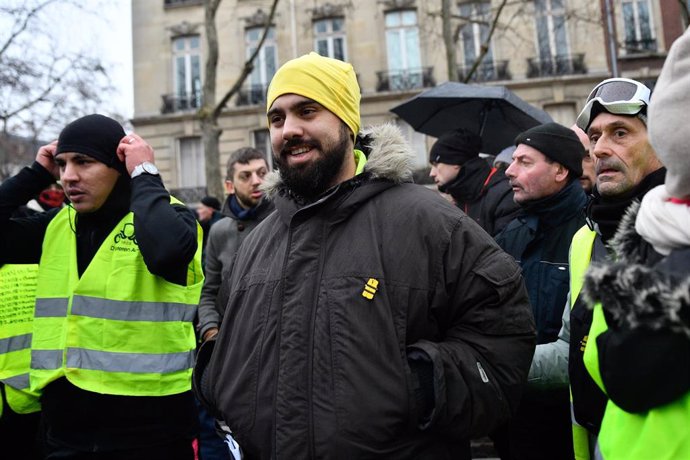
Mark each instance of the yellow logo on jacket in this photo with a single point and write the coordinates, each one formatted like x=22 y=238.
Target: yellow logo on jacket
x=370 y=289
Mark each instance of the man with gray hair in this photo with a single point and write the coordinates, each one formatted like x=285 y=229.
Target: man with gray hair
x=626 y=167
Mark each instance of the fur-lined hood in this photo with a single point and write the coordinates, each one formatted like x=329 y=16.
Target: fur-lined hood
x=634 y=294
x=389 y=157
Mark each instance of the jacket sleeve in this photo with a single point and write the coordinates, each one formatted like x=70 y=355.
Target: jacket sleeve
x=209 y=317
x=166 y=233
x=21 y=239
x=549 y=367
x=480 y=365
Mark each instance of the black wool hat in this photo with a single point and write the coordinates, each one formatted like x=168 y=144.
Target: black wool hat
x=211 y=202
x=96 y=136
x=557 y=142
x=455 y=147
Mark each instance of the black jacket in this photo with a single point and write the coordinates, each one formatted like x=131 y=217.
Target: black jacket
x=484 y=194
x=328 y=301
x=166 y=235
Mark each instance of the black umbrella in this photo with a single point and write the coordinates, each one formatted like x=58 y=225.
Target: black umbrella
x=494 y=112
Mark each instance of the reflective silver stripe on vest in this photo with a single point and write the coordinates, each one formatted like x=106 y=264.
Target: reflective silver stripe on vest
x=95 y=307
x=16 y=343
x=51 y=308
x=136 y=363
x=19 y=382
x=46 y=359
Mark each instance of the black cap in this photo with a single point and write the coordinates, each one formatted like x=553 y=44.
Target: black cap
x=455 y=147
x=557 y=142
x=96 y=136
x=211 y=202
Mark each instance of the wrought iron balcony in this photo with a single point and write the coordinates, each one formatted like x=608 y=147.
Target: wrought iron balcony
x=644 y=45
x=252 y=95
x=174 y=3
x=180 y=102
x=486 y=71
x=401 y=80
x=562 y=64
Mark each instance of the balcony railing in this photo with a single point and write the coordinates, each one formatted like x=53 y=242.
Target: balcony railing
x=486 y=71
x=174 y=3
x=563 y=64
x=401 y=80
x=180 y=102
x=252 y=95
x=644 y=45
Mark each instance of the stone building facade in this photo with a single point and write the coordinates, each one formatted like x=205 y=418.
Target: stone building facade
x=549 y=52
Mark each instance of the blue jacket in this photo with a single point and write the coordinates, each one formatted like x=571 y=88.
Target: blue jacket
x=539 y=240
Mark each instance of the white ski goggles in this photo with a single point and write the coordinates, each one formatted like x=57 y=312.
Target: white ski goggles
x=620 y=96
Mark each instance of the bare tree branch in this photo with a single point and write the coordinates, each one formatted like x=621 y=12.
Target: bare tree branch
x=249 y=64
x=485 y=46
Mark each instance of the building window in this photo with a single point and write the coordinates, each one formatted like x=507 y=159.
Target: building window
x=330 y=38
x=262 y=141
x=402 y=45
x=192 y=170
x=187 y=72
x=637 y=23
x=264 y=65
x=474 y=34
x=551 y=32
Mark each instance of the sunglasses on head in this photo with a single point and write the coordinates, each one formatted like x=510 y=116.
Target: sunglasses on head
x=620 y=96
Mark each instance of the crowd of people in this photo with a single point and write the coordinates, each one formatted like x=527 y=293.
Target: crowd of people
x=332 y=308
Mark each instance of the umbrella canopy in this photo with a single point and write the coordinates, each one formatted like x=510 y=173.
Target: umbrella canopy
x=494 y=112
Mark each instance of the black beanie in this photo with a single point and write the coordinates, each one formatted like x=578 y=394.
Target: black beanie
x=211 y=202
x=557 y=142
x=455 y=147
x=96 y=136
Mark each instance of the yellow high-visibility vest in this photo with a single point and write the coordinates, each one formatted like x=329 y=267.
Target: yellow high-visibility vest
x=17 y=298
x=579 y=259
x=660 y=433
x=118 y=329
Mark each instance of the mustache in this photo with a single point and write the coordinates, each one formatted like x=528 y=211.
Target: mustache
x=292 y=143
x=608 y=164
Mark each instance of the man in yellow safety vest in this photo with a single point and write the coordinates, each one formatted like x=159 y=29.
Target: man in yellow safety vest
x=119 y=279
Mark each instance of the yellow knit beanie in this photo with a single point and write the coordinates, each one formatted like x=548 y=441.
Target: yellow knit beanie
x=330 y=82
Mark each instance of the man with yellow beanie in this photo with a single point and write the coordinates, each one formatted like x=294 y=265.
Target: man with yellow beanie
x=367 y=317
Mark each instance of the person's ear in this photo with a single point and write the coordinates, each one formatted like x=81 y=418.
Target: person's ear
x=229 y=187
x=562 y=173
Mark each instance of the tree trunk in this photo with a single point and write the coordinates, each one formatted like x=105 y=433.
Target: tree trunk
x=451 y=55
x=209 y=121
x=210 y=111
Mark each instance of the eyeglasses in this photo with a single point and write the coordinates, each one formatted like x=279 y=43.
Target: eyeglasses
x=620 y=96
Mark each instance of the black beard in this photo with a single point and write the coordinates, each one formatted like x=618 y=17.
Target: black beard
x=311 y=180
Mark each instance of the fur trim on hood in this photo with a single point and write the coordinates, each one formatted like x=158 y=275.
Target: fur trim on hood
x=634 y=295
x=389 y=157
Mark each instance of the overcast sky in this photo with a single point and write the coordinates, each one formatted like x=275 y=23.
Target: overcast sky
x=104 y=30
x=116 y=41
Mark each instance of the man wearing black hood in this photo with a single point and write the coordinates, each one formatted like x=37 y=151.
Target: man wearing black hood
x=481 y=191
x=119 y=279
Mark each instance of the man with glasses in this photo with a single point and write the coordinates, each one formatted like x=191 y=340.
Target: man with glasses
x=626 y=168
